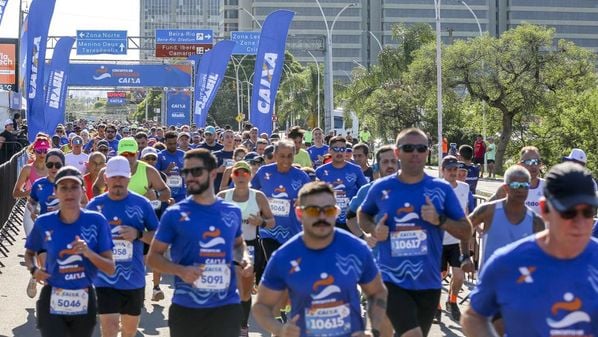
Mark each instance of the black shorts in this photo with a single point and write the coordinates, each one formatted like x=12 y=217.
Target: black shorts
x=490 y=161
x=409 y=309
x=450 y=256
x=224 y=321
x=116 y=301
x=52 y=325
x=479 y=161
x=263 y=252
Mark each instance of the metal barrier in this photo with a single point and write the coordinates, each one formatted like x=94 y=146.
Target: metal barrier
x=11 y=210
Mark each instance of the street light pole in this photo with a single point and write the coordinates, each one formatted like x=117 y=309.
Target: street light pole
x=438 y=80
x=376 y=38
x=252 y=16
x=318 y=90
x=328 y=87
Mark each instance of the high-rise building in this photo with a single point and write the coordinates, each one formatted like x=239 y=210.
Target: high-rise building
x=175 y=14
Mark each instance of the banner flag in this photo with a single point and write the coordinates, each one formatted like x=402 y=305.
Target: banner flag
x=268 y=68
x=55 y=102
x=178 y=106
x=2 y=9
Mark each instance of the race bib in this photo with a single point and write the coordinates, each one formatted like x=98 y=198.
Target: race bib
x=341 y=199
x=332 y=321
x=228 y=162
x=280 y=207
x=215 y=278
x=174 y=181
x=156 y=204
x=122 y=251
x=68 y=302
x=409 y=243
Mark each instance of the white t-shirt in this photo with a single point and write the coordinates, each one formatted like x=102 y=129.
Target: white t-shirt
x=533 y=197
x=462 y=192
x=77 y=160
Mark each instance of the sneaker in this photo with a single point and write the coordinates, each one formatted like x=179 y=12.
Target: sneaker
x=244 y=332
x=32 y=288
x=453 y=310
x=157 y=294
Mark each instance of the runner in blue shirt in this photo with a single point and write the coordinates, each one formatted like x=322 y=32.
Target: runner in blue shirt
x=321 y=267
x=78 y=244
x=204 y=236
x=415 y=210
x=545 y=284
x=280 y=182
x=42 y=190
x=319 y=149
x=120 y=296
x=170 y=161
x=346 y=179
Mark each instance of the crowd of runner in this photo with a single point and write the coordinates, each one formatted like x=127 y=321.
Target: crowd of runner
x=312 y=234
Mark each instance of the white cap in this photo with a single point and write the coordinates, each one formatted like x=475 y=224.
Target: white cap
x=577 y=155
x=149 y=150
x=118 y=166
x=8 y=121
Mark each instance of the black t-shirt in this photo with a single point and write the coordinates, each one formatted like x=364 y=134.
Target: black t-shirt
x=213 y=148
x=369 y=174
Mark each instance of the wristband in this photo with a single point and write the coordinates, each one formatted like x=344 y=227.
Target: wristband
x=33 y=270
x=236 y=263
x=441 y=220
x=139 y=235
x=264 y=223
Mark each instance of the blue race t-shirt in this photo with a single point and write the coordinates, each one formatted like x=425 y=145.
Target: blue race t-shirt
x=133 y=211
x=410 y=256
x=538 y=294
x=174 y=180
x=203 y=235
x=42 y=191
x=473 y=173
x=595 y=232
x=315 y=152
x=358 y=199
x=224 y=158
x=322 y=283
x=281 y=189
x=67 y=269
x=345 y=181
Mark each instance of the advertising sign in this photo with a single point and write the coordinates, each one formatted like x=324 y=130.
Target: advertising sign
x=116 y=98
x=178 y=107
x=130 y=75
x=8 y=64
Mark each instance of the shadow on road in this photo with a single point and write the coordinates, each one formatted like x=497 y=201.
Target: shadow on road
x=29 y=327
x=152 y=321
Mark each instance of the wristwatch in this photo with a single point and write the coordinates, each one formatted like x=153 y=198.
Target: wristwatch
x=441 y=219
x=33 y=270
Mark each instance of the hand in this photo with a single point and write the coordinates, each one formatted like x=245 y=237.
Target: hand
x=467 y=266
x=171 y=201
x=190 y=274
x=428 y=212
x=40 y=275
x=290 y=328
x=381 y=230
x=128 y=233
x=246 y=269
x=370 y=240
x=79 y=246
x=170 y=167
x=255 y=220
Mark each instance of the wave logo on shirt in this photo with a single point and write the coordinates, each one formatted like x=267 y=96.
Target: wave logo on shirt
x=71 y=256
x=214 y=235
x=326 y=283
x=526 y=274
x=280 y=192
x=230 y=219
x=338 y=184
x=295 y=266
x=571 y=306
x=406 y=214
x=115 y=221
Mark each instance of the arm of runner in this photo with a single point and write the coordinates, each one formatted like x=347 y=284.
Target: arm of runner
x=225 y=178
x=376 y=294
x=460 y=229
x=538 y=224
x=156 y=183
x=242 y=258
x=476 y=325
x=17 y=191
x=500 y=194
x=266 y=300
x=100 y=184
x=158 y=263
x=478 y=217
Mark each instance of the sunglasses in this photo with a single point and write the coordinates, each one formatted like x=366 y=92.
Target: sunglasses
x=516 y=185
x=41 y=151
x=241 y=173
x=587 y=212
x=421 y=148
x=150 y=158
x=110 y=131
x=255 y=162
x=59 y=131
x=338 y=149
x=532 y=162
x=195 y=171
x=128 y=154
x=55 y=165
x=238 y=140
x=315 y=211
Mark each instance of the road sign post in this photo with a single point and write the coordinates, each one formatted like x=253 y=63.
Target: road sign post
x=247 y=42
x=94 y=42
x=183 y=42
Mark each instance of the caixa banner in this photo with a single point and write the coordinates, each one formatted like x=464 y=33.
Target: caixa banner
x=130 y=75
x=178 y=107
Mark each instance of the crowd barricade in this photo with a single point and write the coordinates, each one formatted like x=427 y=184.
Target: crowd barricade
x=11 y=210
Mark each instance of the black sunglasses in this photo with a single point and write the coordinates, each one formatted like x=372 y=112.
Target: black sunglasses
x=195 y=171
x=421 y=148
x=51 y=164
x=586 y=212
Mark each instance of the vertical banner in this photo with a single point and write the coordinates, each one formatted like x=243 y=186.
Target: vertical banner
x=178 y=107
x=55 y=101
x=38 y=24
x=208 y=78
x=268 y=68
x=2 y=9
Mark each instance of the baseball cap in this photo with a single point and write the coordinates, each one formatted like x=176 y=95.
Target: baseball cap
x=103 y=142
x=568 y=185
x=449 y=162
x=183 y=134
x=577 y=155
x=127 y=144
x=209 y=129
x=77 y=140
x=241 y=164
x=149 y=151
x=269 y=150
x=253 y=158
x=7 y=122
x=118 y=167
x=68 y=173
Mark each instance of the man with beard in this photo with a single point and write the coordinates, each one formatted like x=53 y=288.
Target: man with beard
x=323 y=293
x=205 y=240
x=120 y=295
x=210 y=143
x=170 y=162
